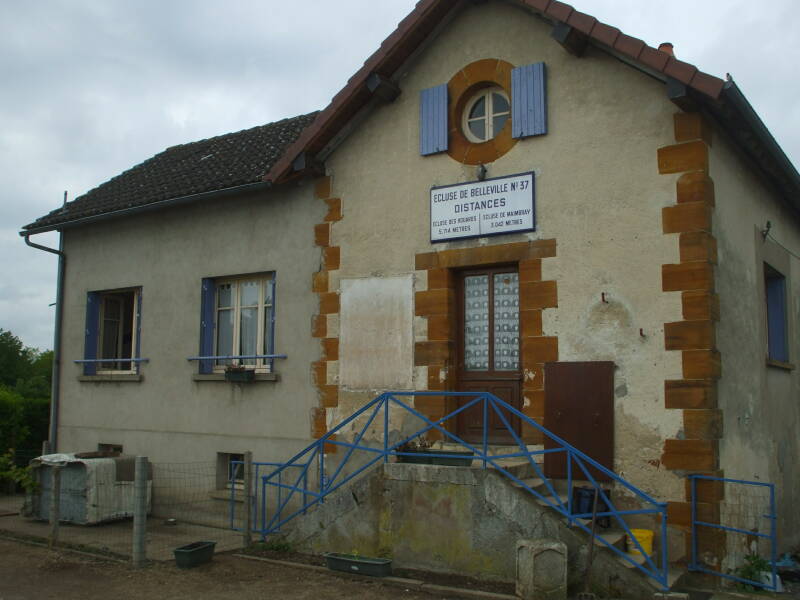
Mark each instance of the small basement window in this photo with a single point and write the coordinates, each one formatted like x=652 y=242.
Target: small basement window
x=109 y=448
x=230 y=470
x=777 y=325
x=486 y=114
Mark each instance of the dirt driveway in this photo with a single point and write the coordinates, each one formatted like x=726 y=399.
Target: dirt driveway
x=35 y=573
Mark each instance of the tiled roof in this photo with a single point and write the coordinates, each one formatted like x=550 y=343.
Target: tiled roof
x=213 y=164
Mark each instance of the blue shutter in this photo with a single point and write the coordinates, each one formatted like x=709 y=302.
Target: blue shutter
x=776 y=319
x=433 y=120
x=207 y=324
x=528 y=101
x=92 y=332
x=138 y=349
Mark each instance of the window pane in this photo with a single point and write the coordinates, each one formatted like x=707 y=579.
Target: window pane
x=478 y=129
x=248 y=334
x=498 y=123
x=478 y=109
x=506 y=322
x=224 y=335
x=249 y=291
x=110 y=342
x=224 y=295
x=499 y=103
x=476 y=323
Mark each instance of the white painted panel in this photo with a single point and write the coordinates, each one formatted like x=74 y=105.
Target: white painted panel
x=376 y=340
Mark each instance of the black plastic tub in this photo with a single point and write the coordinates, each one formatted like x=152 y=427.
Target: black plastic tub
x=362 y=565
x=450 y=458
x=194 y=554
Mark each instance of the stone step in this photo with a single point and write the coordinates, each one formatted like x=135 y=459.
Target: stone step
x=615 y=537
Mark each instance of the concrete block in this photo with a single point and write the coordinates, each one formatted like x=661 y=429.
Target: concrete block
x=670 y=596
x=541 y=569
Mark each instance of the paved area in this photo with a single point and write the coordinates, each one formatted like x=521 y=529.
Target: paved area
x=116 y=537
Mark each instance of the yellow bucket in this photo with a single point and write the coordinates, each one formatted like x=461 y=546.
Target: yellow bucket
x=645 y=539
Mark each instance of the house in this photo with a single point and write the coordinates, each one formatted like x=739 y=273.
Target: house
x=629 y=216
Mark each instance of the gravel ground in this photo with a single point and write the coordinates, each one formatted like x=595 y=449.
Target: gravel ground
x=35 y=573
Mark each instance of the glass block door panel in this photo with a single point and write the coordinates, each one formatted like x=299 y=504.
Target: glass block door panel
x=506 y=322
x=476 y=323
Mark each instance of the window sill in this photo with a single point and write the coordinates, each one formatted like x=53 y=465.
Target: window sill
x=777 y=364
x=109 y=377
x=260 y=377
x=226 y=495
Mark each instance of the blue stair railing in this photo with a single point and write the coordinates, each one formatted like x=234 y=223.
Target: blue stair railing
x=294 y=496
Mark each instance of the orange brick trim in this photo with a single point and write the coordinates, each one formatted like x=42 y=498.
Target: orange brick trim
x=461 y=88
x=438 y=306
x=328 y=392
x=695 y=337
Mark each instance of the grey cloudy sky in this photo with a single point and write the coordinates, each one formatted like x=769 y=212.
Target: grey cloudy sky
x=92 y=87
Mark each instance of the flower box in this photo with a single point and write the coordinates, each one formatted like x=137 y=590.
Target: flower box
x=240 y=375
x=362 y=565
x=194 y=554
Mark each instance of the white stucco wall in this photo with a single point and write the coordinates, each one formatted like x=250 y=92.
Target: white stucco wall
x=168 y=416
x=760 y=403
x=598 y=192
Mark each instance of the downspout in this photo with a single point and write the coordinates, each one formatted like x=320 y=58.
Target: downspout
x=55 y=386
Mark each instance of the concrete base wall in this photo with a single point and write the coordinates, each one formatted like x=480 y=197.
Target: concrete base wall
x=451 y=520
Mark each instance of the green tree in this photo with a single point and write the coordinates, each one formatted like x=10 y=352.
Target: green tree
x=16 y=361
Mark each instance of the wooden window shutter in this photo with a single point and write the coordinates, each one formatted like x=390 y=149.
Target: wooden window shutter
x=92 y=332
x=433 y=120
x=528 y=101
x=207 y=308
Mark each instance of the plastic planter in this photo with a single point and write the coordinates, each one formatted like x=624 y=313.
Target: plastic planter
x=194 y=554
x=362 y=565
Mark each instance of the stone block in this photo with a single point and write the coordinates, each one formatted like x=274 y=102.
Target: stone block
x=541 y=569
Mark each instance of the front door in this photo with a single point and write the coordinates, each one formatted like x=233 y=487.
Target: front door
x=489 y=348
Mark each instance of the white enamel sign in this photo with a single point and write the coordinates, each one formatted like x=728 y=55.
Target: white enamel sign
x=482 y=208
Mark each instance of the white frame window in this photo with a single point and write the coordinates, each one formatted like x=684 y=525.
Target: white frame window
x=114 y=323
x=244 y=318
x=488 y=110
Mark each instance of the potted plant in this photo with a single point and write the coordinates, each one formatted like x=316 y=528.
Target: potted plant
x=355 y=563
x=239 y=374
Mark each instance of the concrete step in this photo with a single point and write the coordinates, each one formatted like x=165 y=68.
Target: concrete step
x=614 y=537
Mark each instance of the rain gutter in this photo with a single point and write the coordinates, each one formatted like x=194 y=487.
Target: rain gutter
x=56 y=374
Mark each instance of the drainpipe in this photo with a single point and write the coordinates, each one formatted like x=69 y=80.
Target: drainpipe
x=54 y=389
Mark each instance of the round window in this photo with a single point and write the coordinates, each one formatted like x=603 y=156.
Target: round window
x=485 y=114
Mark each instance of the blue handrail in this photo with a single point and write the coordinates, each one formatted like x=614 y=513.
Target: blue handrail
x=382 y=450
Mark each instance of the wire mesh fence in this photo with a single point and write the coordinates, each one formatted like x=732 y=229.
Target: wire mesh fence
x=95 y=501
x=747 y=508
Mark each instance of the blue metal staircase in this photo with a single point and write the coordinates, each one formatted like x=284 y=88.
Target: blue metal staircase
x=289 y=481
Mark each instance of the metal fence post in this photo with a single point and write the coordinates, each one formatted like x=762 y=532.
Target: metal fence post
x=140 y=511
x=55 y=504
x=248 y=499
